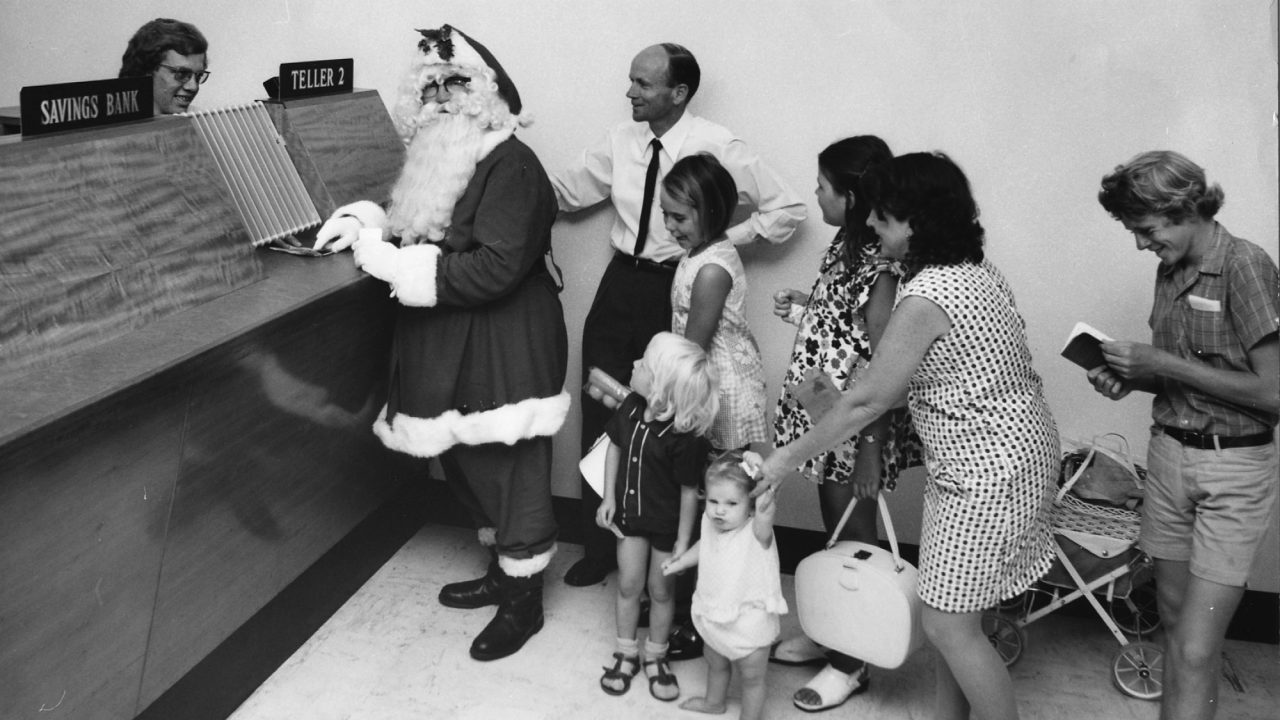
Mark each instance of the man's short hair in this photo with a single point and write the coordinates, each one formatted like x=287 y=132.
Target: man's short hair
x=1160 y=182
x=152 y=41
x=682 y=68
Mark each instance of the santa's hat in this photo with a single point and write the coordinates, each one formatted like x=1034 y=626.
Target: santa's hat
x=456 y=51
x=492 y=100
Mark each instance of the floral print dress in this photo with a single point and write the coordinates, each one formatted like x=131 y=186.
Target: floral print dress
x=833 y=338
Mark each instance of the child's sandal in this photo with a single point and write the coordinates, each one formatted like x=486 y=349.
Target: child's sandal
x=663 y=684
x=616 y=680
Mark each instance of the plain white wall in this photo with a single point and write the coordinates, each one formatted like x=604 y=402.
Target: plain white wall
x=1036 y=99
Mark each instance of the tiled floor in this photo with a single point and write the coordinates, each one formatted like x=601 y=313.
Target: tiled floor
x=392 y=653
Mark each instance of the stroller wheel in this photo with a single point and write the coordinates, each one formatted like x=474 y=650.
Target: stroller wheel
x=1014 y=604
x=1137 y=614
x=1005 y=636
x=1138 y=670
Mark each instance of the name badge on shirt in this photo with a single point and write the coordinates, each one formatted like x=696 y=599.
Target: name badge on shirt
x=1204 y=304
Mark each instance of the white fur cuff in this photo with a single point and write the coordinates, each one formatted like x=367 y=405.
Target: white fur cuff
x=526 y=567
x=415 y=278
x=509 y=424
x=369 y=213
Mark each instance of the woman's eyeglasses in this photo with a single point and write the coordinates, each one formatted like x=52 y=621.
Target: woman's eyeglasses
x=183 y=75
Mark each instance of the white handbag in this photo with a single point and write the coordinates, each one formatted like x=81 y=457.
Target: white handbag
x=860 y=599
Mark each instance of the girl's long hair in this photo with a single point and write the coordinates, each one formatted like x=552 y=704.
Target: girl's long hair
x=686 y=387
x=843 y=163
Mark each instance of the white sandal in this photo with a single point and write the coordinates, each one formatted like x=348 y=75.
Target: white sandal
x=799 y=650
x=831 y=688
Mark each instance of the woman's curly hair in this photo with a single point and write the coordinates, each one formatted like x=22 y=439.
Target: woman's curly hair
x=930 y=193
x=149 y=44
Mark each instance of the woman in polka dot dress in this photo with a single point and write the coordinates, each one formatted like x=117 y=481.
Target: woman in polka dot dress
x=957 y=346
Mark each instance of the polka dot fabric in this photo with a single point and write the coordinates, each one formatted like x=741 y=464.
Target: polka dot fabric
x=992 y=447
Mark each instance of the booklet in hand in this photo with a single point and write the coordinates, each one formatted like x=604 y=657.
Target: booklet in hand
x=1083 y=346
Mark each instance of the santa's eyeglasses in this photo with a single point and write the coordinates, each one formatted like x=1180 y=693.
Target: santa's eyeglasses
x=450 y=85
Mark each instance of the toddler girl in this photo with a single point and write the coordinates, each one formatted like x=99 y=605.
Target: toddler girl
x=655 y=459
x=739 y=593
x=708 y=294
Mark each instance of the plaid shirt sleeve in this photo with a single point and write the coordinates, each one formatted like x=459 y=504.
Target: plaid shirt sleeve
x=1253 y=294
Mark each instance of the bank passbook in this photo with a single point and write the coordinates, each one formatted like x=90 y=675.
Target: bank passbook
x=1084 y=346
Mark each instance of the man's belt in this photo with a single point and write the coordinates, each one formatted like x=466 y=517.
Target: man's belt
x=646 y=265
x=1205 y=441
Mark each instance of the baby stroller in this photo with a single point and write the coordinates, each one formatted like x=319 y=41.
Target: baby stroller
x=1097 y=559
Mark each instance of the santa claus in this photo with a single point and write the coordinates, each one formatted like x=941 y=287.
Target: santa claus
x=480 y=350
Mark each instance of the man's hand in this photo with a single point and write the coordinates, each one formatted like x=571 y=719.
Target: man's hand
x=1108 y=383
x=340 y=231
x=1131 y=360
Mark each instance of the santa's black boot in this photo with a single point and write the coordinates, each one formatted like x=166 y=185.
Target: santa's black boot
x=519 y=617
x=477 y=593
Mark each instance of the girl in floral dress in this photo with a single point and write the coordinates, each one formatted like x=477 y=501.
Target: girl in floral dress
x=840 y=321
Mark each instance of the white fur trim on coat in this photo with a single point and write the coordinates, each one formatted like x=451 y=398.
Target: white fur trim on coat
x=494 y=138
x=526 y=567
x=509 y=424
x=414 y=282
x=369 y=213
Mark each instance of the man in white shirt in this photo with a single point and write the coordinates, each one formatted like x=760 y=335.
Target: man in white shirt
x=633 y=301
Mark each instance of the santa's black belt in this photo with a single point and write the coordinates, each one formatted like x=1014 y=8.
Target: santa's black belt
x=667 y=267
x=1205 y=441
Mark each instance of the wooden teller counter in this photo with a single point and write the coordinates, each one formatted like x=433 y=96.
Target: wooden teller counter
x=188 y=480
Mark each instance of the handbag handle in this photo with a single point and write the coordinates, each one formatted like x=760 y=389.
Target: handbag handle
x=1121 y=457
x=898 y=564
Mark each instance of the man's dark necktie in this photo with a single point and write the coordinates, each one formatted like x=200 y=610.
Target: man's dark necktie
x=650 y=181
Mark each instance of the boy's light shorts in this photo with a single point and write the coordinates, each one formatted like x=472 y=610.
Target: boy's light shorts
x=1208 y=508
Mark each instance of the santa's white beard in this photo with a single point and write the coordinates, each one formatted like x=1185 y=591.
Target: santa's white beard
x=440 y=162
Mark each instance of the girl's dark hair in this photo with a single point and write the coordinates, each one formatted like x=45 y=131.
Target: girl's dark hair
x=702 y=183
x=844 y=163
x=929 y=192
x=150 y=43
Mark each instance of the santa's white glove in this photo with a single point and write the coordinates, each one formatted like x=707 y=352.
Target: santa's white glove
x=376 y=256
x=342 y=232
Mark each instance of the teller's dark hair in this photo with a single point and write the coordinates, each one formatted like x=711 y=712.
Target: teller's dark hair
x=149 y=44
x=682 y=68
x=702 y=183
x=1160 y=182
x=929 y=192
x=844 y=163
